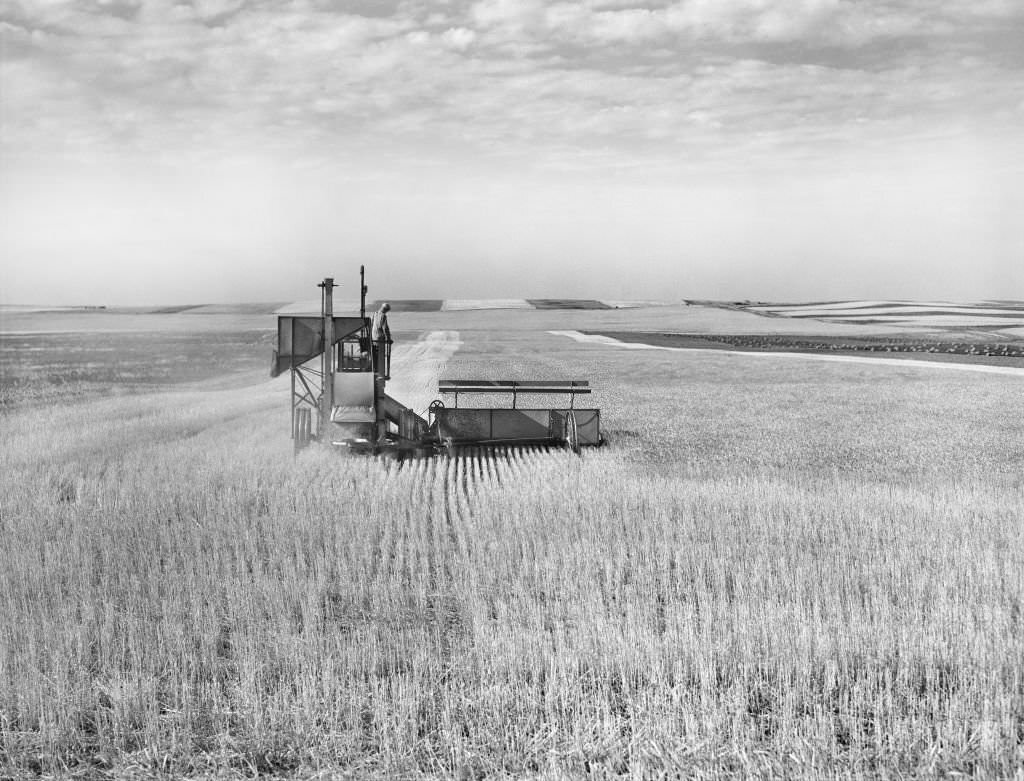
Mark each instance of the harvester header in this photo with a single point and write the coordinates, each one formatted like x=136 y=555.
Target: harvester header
x=341 y=399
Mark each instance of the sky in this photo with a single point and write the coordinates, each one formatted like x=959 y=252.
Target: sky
x=198 y=151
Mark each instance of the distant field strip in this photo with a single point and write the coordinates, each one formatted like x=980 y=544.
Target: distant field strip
x=567 y=303
x=815 y=356
x=312 y=306
x=614 y=303
x=933 y=314
x=460 y=304
x=882 y=311
x=410 y=305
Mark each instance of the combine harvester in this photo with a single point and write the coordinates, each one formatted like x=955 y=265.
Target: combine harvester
x=341 y=399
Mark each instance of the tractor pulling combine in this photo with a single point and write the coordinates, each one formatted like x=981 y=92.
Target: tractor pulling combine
x=341 y=399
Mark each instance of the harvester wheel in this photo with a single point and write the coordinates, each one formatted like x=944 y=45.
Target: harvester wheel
x=303 y=428
x=572 y=433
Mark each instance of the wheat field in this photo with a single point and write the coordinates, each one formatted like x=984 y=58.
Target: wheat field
x=774 y=574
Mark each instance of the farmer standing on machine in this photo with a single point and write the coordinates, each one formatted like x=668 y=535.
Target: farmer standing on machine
x=381 y=335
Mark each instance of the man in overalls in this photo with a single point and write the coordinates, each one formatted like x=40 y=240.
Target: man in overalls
x=380 y=333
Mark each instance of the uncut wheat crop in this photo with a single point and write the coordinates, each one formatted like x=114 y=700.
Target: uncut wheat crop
x=177 y=597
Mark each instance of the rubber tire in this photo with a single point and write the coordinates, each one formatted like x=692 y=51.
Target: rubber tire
x=303 y=429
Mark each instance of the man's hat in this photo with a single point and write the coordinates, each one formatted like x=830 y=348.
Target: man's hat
x=385 y=306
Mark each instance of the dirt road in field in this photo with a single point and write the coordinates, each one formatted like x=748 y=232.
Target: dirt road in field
x=416 y=367
x=969 y=367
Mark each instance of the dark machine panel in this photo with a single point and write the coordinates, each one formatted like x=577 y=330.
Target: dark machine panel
x=468 y=424
x=301 y=338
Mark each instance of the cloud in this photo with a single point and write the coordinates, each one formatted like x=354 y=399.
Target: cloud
x=509 y=14
x=458 y=38
x=835 y=22
x=594 y=85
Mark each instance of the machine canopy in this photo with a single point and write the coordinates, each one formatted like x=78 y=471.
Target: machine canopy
x=301 y=338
